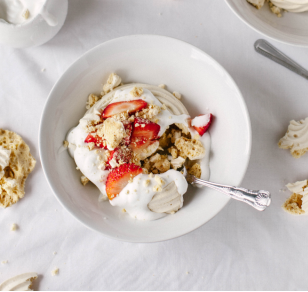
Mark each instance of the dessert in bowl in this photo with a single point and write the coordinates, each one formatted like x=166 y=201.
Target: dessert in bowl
x=205 y=87
x=290 y=27
x=132 y=143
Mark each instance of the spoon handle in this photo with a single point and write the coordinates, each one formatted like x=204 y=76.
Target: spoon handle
x=266 y=49
x=257 y=199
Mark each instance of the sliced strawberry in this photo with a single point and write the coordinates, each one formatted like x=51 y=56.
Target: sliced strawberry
x=119 y=155
x=128 y=129
x=145 y=129
x=139 y=144
x=202 y=123
x=119 y=177
x=98 y=141
x=131 y=106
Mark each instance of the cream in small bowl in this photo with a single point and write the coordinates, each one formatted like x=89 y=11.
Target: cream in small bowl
x=26 y=23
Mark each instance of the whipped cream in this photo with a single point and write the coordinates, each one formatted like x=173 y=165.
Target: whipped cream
x=292 y=5
x=4 y=159
x=20 y=11
x=201 y=121
x=136 y=196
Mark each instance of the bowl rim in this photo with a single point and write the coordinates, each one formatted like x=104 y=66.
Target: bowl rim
x=272 y=37
x=40 y=137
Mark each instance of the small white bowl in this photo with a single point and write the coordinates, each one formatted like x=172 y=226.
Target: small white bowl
x=205 y=86
x=37 y=31
x=291 y=28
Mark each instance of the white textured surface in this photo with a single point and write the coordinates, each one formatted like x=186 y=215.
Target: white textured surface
x=240 y=248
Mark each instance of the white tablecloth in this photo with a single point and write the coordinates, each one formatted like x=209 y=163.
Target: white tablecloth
x=240 y=248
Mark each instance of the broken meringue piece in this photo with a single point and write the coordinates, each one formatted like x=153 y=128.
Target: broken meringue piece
x=256 y=3
x=21 y=282
x=296 y=138
x=167 y=201
x=297 y=203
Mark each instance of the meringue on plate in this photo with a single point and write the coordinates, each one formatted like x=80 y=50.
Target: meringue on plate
x=277 y=6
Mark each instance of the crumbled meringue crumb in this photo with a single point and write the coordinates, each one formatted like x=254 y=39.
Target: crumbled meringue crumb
x=173 y=151
x=84 y=180
x=191 y=148
x=113 y=81
x=276 y=10
x=177 y=95
x=163 y=107
x=195 y=170
x=147 y=182
x=159 y=180
x=92 y=99
x=112 y=131
x=149 y=112
x=256 y=3
x=14 y=227
x=65 y=143
x=163 y=86
x=26 y=14
x=136 y=91
x=123 y=210
x=55 y=272
x=157 y=188
x=4 y=262
x=177 y=162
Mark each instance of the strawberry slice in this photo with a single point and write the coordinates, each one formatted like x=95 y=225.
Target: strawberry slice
x=98 y=141
x=119 y=177
x=202 y=123
x=128 y=129
x=145 y=129
x=119 y=155
x=131 y=106
x=139 y=144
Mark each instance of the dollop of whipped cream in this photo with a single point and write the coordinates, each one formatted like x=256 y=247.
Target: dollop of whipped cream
x=137 y=195
x=292 y=5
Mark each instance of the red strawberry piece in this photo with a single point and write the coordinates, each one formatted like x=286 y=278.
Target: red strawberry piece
x=98 y=141
x=145 y=129
x=119 y=155
x=131 y=106
x=202 y=123
x=128 y=129
x=139 y=144
x=119 y=177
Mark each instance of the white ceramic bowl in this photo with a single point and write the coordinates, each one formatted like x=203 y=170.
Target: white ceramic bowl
x=43 y=27
x=205 y=86
x=291 y=28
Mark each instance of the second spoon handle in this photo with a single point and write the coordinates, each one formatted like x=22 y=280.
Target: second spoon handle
x=266 y=49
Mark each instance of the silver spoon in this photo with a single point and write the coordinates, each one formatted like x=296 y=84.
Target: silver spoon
x=266 y=49
x=257 y=199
